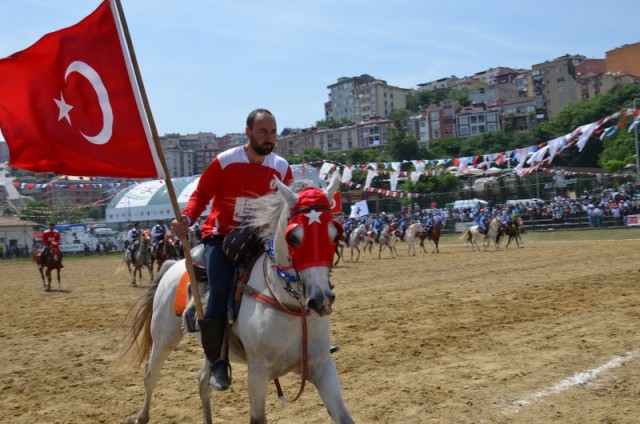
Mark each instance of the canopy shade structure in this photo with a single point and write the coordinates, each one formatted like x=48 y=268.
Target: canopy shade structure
x=149 y=200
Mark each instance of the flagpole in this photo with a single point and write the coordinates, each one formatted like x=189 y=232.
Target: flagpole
x=156 y=142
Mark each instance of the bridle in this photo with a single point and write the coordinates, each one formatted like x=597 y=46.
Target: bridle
x=297 y=293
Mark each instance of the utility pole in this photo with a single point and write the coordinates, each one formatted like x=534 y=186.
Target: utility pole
x=635 y=130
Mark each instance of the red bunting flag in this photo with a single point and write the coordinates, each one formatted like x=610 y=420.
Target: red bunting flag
x=70 y=104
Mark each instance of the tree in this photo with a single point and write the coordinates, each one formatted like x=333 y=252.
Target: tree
x=36 y=211
x=402 y=144
x=308 y=155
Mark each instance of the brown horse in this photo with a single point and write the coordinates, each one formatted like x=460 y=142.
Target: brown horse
x=52 y=261
x=513 y=230
x=432 y=236
x=166 y=251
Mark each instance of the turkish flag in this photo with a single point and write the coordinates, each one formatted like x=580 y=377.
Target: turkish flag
x=336 y=204
x=70 y=104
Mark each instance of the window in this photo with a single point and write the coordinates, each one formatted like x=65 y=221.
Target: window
x=435 y=116
x=474 y=119
x=435 y=134
x=562 y=89
x=463 y=120
x=560 y=69
x=464 y=131
x=447 y=112
x=562 y=99
x=435 y=125
x=492 y=127
x=492 y=117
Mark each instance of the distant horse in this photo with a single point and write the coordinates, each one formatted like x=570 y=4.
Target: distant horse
x=386 y=238
x=283 y=320
x=472 y=234
x=513 y=230
x=192 y=239
x=356 y=237
x=140 y=259
x=166 y=250
x=410 y=238
x=432 y=236
x=493 y=233
x=53 y=261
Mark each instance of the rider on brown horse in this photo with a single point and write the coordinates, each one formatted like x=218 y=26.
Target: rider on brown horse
x=49 y=236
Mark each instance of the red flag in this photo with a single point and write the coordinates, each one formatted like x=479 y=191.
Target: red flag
x=336 y=204
x=69 y=104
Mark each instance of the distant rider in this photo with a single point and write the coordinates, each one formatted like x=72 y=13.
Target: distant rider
x=133 y=238
x=158 y=233
x=49 y=236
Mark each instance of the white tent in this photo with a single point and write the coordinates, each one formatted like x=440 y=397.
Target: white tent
x=149 y=200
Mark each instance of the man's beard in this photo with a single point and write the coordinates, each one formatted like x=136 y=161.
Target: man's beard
x=261 y=150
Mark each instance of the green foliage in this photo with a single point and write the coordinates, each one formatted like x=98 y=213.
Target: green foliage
x=333 y=123
x=36 y=211
x=402 y=144
x=309 y=154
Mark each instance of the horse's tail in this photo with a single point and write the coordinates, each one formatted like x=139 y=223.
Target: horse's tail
x=136 y=345
x=465 y=234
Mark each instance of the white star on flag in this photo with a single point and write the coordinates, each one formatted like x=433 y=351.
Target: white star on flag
x=64 y=109
x=314 y=216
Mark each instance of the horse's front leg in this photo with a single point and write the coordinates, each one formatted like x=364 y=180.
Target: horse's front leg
x=325 y=377
x=258 y=380
x=166 y=334
x=205 y=392
x=59 y=282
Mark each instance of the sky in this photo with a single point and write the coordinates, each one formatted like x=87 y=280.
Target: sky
x=206 y=64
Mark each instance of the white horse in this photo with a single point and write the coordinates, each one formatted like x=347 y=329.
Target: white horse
x=283 y=322
x=492 y=233
x=356 y=237
x=386 y=238
x=472 y=234
x=410 y=238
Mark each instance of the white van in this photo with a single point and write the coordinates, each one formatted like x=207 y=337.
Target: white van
x=469 y=204
x=525 y=203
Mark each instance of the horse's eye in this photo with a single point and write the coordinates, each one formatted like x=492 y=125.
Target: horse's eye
x=294 y=236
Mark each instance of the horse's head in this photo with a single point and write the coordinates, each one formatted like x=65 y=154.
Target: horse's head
x=311 y=235
x=55 y=250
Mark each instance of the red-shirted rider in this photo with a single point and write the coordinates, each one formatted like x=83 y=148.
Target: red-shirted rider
x=49 y=236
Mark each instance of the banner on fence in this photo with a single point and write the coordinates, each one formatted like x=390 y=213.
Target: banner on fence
x=633 y=220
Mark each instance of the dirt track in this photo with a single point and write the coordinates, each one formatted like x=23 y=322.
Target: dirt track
x=455 y=337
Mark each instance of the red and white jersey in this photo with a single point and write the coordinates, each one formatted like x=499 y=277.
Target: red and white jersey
x=49 y=236
x=232 y=182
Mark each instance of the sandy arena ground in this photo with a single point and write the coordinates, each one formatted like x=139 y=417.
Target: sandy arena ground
x=544 y=334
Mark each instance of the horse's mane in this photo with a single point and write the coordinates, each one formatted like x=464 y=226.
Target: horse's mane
x=269 y=211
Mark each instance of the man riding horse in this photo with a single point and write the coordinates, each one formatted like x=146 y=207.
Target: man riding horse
x=49 y=237
x=133 y=239
x=158 y=233
x=481 y=221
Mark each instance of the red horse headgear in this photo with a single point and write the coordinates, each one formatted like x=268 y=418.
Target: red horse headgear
x=313 y=213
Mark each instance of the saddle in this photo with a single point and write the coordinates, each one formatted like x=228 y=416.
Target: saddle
x=242 y=247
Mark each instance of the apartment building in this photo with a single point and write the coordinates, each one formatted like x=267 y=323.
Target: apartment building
x=518 y=114
x=360 y=99
x=446 y=82
x=625 y=60
x=476 y=120
x=555 y=84
x=341 y=99
x=442 y=119
x=190 y=154
x=376 y=99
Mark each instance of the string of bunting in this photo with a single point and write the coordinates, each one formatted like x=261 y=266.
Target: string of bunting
x=526 y=160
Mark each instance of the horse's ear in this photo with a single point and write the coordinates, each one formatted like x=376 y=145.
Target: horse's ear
x=333 y=186
x=288 y=194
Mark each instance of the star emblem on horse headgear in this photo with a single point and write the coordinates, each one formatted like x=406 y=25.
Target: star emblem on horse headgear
x=314 y=216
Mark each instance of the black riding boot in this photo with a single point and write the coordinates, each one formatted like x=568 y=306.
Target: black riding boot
x=212 y=334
